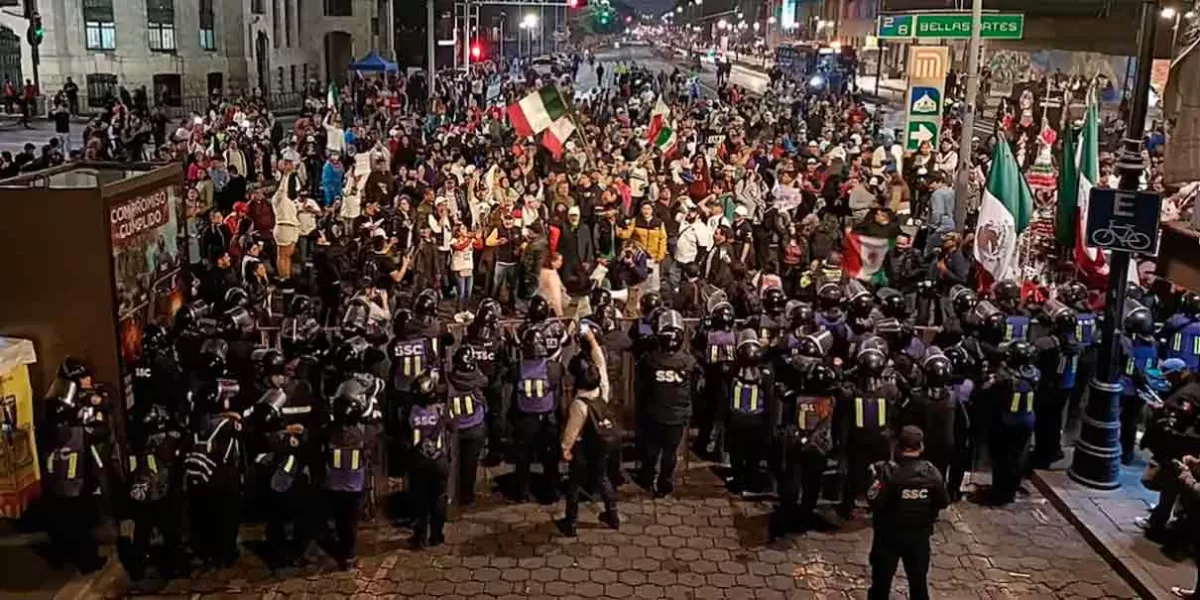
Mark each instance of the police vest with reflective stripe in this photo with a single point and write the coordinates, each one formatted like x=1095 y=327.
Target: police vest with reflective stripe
x=1019 y=408
x=346 y=470
x=747 y=398
x=870 y=413
x=719 y=347
x=409 y=358
x=64 y=465
x=1142 y=355
x=466 y=406
x=428 y=426
x=1085 y=328
x=1068 y=368
x=1185 y=344
x=535 y=396
x=811 y=411
x=1016 y=328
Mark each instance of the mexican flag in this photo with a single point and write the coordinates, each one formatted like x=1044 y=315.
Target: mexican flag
x=666 y=141
x=555 y=137
x=865 y=256
x=1087 y=165
x=658 y=118
x=331 y=95
x=536 y=112
x=1068 y=191
x=1004 y=213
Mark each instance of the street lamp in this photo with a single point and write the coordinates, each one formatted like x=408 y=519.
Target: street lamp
x=679 y=10
x=757 y=25
x=771 y=20
x=1168 y=13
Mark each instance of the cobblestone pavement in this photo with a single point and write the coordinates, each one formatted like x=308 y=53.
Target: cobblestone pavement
x=700 y=544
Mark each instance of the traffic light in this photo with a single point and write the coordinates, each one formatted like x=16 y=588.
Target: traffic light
x=572 y=3
x=476 y=51
x=36 y=32
x=628 y=19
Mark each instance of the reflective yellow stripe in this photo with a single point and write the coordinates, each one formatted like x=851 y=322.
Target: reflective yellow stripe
x=1129 y=366
x=858 y=412
x=354 y=458
x=882 y=413
x=1017 y=397
x=132 y=464
x=1008 y=332
x=714 y=354
x=416 y=364
x=96 y=455
x=1015 y=405
x=470 y=402
x=456 y=406
x=50 y=464
x=416 y=436
x=337 y=458
x=408 y=366
x=433 y=343
x=152 y=463
x=754 y=399
x=1196 y=346
x=737 y=396
x=1177 y=342
x=529 y=387
x=72 y=463
x=289 y=464
x=1079 y=331
x=541 y=387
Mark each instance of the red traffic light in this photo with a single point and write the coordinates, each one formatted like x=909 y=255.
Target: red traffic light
x=572 y=3
x=628 y=19
x=476 y=50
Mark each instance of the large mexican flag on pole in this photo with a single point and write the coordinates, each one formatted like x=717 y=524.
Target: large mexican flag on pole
x=1004 y=213
x=536 y=112
x=1087 y=165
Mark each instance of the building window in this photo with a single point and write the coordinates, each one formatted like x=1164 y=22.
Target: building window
x=168 y=89
x=258 y=7
x=208 y=35
x=99 y=27
x=101 y=89
x=374 y=25
x=339 y=8
x=160 y=24
x=275 y=31
x=216 y=83
x=299 y=19
x=287 y=23
x=293 y=69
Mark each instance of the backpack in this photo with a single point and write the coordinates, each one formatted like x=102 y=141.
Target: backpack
x=208 y=456
x=604 y=424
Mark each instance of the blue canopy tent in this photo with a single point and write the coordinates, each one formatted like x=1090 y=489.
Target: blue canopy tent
x=374 y=63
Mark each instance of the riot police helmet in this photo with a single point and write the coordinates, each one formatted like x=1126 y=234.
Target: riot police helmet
x=1137 y=318
x=599 y=299
x=464 y=360
x=297 y=335
x=800 y=315
x=268 y=411
x=155 y=337
x=816 y=345
x=648 y=303
x=1006 y=293
x=270 y=365
x=1189 y=304
x=1073 y=293
x=489 y=313
x=896 y=332
x=963 y=361
x=401 y=321
x=425 y=304
x=208 y=399
x=539 y=309
x=214 y=353
x=720 y=311
x=533 y=343
x=156 y=419
x=350 y=355
x=859 y=298
x=237 y=321
x=669 y=330
x=301 y=305
x=963 y=299
x=829 y=296
x=350 y=401
x=774 y=301
x=234 y=297
x=1062 y=318
x=892 y=303
x=819 y=378
x=1019 y=353
x=73 y=369
x=749 y=348
x=189 y=315
x=872 y=355
x=1135 y=291
x=937 y=367
x=988 y=316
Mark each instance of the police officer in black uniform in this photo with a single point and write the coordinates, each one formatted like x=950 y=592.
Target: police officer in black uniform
x=666 y=380
x=428 y=428
x=155 y=489
x=1058 y=360
x=491 y=349
x=772 y=321
x=932 y=408
x=1009 y=394
x=906 y=497
x=807 y=408
x=751 y=411
x=860 y=305
x=353 y=422
x=715 y=342
x=642 y=330
x=535 y=414
x=214 y=466
x=75 y=428
x=465 y=386
x=1139 y=354
x=1006 y=295
x=865 y=424
x=963 y=388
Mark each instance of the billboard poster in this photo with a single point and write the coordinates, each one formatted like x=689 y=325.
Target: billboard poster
x=787 y=15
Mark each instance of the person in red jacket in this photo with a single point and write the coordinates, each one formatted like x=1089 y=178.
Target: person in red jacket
x=262 y=216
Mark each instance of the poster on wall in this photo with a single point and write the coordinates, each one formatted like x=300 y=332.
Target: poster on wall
x=196 y=208
x=146 y=264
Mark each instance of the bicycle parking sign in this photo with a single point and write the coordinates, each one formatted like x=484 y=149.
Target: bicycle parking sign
x=1124 y=221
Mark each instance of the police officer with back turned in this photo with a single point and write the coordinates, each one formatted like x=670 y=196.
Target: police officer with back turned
x=905 y=498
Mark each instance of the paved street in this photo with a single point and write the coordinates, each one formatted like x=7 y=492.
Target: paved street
x=699 y=544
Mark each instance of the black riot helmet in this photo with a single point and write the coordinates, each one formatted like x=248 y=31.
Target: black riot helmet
x=1189 y=304
x=987 y=316
x=73 y=369
x=1137 y=319
x=897 y=333
x=425 y=304
x=963 y=299
x=859 y=298
x=719 y=310
x=669 y=330
x=749 y=349
x=892 y=304
x=156 y=419
x=268 y=411
x=534 y=344
x=539 y=309
x=649 y=302
x=818 y=378
x=829 y=296
x=774 y=301
x=235 y=297
x=209 y=399
x=213 y=355
x=1019 y=353
x=269 y=365
x=301 y=305
x=963 y=361
x=599 y=299
x=800 y=315
x=401 y=321
x=350 y=355
x=298 y=335
x=872 y=356
x=1006 y=294
x=237 y=322
x=464 y=360
x=155 y=337
x=489 y=313
x=1135 y=291
x=350 y=402
x=816 y=345
x=1073 y=294
x=1061 y=317
x=937 y=367
x=190 y=314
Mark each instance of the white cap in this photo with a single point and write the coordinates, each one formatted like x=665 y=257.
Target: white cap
x=741 y=211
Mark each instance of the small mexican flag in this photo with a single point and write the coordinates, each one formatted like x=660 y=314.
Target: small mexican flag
x=666 y=141
x=555 y=137
x=331 y=95
x=658 y=118
x=536 y=112
x=865 y=256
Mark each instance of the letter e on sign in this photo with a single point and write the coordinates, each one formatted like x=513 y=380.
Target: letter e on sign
x=1123 y=206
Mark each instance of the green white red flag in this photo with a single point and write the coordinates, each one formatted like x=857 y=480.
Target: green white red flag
x=865 y=257
x=536 y=112
x=555 y=137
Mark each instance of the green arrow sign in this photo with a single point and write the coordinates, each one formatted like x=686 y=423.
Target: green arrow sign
x=921 y=131
x=951 y=26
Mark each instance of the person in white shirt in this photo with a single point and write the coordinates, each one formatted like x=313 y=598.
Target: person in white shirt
x=335 y=135
x=695 y=238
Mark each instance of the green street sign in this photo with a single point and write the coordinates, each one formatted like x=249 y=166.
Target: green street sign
x=921 y=131
x=950 y=26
